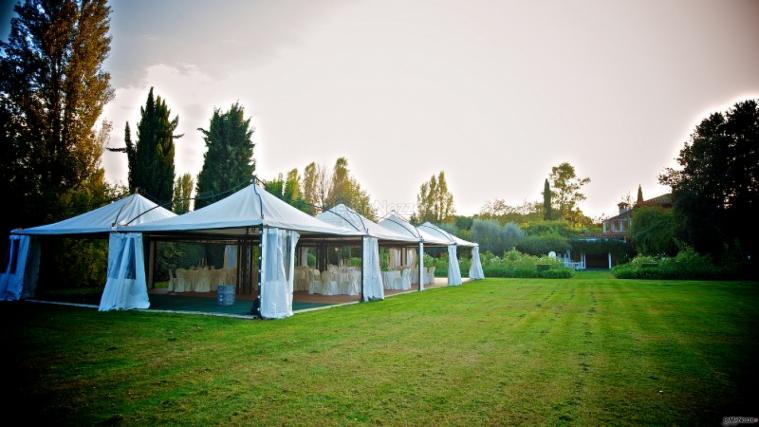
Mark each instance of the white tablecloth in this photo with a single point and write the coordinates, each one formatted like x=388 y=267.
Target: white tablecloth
x=304 y=276
x=203 y=279
x=337 y=281
x=392 y=279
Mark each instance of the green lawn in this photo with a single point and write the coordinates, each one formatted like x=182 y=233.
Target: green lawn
x=588 y=350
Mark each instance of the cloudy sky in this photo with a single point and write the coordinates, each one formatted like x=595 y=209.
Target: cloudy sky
x=494 y=93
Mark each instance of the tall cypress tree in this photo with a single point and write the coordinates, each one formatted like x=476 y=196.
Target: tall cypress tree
x=547 y=206
x=228 y=162
x=639 y=200
x=153 y=170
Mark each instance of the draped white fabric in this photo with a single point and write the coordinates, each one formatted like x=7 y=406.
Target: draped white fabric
x=230 y=256
x=373 y=287
x=20 y=274
x=454 y=272
x=394 y=259
x=277 y=272
x=303 y=257
x=475 y=269
x=421 y=266
x=125 y=287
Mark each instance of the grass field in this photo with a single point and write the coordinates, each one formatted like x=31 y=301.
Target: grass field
x=588 y=350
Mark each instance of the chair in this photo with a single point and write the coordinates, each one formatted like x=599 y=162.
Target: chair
x=172 y=282
x=181 y=282
x=405 y=283
x=218 y=277
x=203 y=280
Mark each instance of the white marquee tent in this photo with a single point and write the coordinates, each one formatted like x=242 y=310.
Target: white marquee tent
x=248 y=215
x=475 y=270
x=429 y=237
x=343 y=216
x=20 y=275
x=253 y=212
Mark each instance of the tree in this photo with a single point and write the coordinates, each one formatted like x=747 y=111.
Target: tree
x=52 y=92
x=311 y=178
x=151 y=160
x=566 y=192
x=183 y=194
x=503 y=212
x=653 y=231
x=716 y=190
x=494 y=237
x=287 y=189
x=228 y=163
x=345 y=189
x=547 y=207
x=434 y=201
x=292 y=185
x=639 y=199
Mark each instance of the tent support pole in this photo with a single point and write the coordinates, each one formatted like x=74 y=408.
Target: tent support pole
x=151 y=263
x=363 y=251
x=421 y=266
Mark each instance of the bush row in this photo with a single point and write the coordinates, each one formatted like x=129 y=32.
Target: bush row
x=512 y=264
x=687 y=264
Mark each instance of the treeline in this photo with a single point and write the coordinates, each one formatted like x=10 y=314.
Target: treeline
x=52 y=92
x=534 y=228
x=709 y=232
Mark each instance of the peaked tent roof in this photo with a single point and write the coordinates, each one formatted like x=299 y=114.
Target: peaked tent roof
x=343 y=216
x=434 y=229
x=399 y=224
x=127 y=212
x=250 y=207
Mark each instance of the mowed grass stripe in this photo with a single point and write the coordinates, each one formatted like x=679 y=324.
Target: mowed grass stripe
x=587 y=350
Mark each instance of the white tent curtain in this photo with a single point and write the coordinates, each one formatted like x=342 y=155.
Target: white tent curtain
x=475 y=269
x=19 y=277
x=454 y=272
x=303 y=257
x=125 y=287
x=373 y=286
x=230 y=256
x=410 y=258
x=394 y=259
x=277 y=272
x=421 y=266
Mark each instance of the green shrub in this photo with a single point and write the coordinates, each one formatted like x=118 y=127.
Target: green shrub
x=512 y=264
x=653 y=231
x=517 y=264
x=688 y=264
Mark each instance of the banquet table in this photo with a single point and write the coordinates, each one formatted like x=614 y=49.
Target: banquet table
x=304 y=276
x=336 y=281
x=198 y=279
x=392 y=279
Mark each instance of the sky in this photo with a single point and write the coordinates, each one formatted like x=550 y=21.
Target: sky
x=493 y=93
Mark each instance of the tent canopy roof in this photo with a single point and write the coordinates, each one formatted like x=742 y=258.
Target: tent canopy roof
x=399 y=224
x=250 y=207
x=434 y=229
x=127 y=213
x=343 y=216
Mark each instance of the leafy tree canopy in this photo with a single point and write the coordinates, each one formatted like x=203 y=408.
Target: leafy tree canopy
x=716 y=189
x=52 y=91
x=567 y=193
x=228 y=162
x=183 y=194
x=653 y=231
x=343 y=188
x=434 y=201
